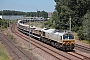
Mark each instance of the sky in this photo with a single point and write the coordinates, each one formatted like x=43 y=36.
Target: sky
x=28 y=5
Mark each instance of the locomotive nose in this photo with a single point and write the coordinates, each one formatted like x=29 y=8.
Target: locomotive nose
x=68 y=44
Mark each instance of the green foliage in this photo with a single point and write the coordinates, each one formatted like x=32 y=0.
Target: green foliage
x=5 y=23
x=11 y=12
x=37 y=14
x=86 y=25
x=84 y=32
x=63 y=14
x=48 y=24
x=79 y=7
x=74 y=8
x=11 y=36
x=32 y=14
x=81 y=35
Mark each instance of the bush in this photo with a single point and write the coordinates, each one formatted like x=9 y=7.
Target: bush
x=81 y=35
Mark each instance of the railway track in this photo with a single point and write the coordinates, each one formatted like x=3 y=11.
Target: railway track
x=82 y=48
x=59 y=53
x=37 y=45
x=17 y=52
x=78 y=55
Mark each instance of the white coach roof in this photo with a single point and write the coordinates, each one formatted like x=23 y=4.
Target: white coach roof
x=53 y=31
x=60 y=33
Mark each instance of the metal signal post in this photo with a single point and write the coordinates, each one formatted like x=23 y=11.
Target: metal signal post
x=70 y=23
x=29 y=35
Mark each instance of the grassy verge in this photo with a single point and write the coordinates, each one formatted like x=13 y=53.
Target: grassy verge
x=85 y=41
x=37 y=24
x=3 y=53
x=11 y=36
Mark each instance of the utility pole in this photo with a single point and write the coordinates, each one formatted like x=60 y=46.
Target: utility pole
x=2 y=20
x=0 y=26
x=8 y=24
x=70 y=23
x=37 y=18
x=29 y=36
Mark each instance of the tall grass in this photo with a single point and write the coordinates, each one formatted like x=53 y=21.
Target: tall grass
x=3 y=53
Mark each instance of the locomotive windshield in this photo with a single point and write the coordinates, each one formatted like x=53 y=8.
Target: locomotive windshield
x=68 y=36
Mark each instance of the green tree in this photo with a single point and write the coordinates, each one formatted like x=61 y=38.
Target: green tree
x=63 y=13
x=44 y=14
x=86 y=26
x=28 y=14
x=74 y=8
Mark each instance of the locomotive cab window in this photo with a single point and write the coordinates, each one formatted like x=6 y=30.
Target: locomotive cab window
x=68 y=36
x=71 y=36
